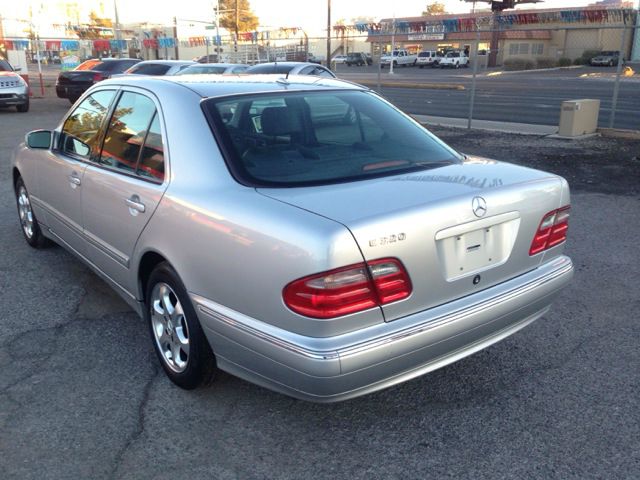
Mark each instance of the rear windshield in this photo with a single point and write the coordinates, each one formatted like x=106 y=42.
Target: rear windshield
x=5 y=67
x=309 y=138
x=202 y=70
x=114 y=66
x=270 y=68
x=150 y=69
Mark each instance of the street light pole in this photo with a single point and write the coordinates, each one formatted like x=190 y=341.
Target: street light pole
x=117 y=32
x=217 y=32
x=328 y=33
x=393 y=43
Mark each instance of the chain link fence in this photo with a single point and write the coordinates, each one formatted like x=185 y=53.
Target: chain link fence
x=535 y=69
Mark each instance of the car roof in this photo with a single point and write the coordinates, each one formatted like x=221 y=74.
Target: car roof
x=109 y=59
x=286 y=64
x=226 y=65
x=223 y=85
x=167 y=62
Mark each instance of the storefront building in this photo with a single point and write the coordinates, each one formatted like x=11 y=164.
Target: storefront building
x=530 y=34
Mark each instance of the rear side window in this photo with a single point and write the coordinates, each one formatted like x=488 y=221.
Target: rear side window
x=307 y=138
x=128 y=130
x=151 y=164
x=81 y=131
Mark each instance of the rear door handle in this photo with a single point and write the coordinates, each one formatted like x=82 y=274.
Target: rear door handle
x=134 y=203
x=74 y=179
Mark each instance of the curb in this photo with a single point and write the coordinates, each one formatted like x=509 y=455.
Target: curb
x=425 y=86
x=502 y=72
x=619 y=133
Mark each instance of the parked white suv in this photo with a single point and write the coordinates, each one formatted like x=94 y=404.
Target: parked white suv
x=399 y=57
x=429 y=58
x=454 y=60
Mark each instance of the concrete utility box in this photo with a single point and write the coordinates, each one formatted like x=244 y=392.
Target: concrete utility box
x=578 y=117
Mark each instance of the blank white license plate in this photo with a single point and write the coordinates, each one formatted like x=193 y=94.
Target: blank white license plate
x=464 y=250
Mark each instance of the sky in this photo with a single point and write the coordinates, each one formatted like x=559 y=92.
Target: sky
x=310 y=15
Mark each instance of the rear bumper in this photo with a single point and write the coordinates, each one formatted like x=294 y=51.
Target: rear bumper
x=346 y=366
x=71 y=91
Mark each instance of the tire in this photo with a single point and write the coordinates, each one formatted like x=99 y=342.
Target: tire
x=457 y=65
x=176 y=334
x=395 y=64
x=73 y=100
x=611 y=63
x=24 y=107
x=421 y=66
x=28 y=221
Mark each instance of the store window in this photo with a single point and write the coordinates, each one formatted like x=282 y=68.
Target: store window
x=537 y=49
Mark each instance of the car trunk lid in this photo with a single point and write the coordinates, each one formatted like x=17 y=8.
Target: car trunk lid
x=456 y=229
x=75 y=76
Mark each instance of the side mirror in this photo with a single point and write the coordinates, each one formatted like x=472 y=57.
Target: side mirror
x=39 y=139
x=17 y=69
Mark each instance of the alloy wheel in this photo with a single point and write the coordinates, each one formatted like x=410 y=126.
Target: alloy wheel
x=169 y=327
x=25 y=212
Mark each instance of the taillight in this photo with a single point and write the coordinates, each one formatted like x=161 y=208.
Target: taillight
x=552 y=230
x=348 y=289
x=97 y=77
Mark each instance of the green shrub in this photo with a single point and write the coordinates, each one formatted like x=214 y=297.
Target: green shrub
x=580 y=61
x=546 y=63
x=588 y=55
x=518 y=64
x=564 y=62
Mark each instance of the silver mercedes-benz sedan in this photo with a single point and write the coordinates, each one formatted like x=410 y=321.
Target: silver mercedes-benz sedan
x=300 y=232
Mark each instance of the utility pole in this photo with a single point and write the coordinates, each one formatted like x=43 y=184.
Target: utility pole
x=329 y=33
x=635 y=47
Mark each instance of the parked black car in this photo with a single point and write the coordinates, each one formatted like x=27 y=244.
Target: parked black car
x=73 y=83
x=358 y=58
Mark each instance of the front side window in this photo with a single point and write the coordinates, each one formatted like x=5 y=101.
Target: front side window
x=127 y=131
x=81 y=131
x=305 y=138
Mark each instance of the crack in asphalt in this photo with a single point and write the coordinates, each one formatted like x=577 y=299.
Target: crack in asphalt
x=140 y=426
x=57 y=330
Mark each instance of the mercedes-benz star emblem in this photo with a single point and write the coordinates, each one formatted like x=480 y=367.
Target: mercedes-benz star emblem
x=479 y=206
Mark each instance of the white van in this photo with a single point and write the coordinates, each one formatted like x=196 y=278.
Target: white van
x=428 y=58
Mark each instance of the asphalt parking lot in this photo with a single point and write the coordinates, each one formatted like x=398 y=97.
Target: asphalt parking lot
x=82 y=394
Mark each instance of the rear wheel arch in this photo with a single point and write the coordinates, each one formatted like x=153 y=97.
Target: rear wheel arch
x=149 y=261
x=16 y=176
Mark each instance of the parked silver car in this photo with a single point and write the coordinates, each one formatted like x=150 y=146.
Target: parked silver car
x=299 y=233
x=14 y=91
x=292 y=68
x=213 y=69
